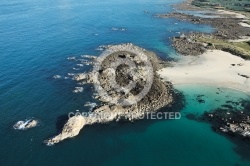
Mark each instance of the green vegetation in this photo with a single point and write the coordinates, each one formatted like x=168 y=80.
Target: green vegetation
x=241 y=49
x=239 y=5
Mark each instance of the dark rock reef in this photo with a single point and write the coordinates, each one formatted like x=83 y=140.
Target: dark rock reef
x=232 y=120
x=228 y=119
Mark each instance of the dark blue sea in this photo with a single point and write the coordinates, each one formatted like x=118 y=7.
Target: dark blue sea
x=37 y=37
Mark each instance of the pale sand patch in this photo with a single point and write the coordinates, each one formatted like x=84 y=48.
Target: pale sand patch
x=237 y=15
x=245 y=20
x=244 y=24
x=243 y=39
x=213 y=67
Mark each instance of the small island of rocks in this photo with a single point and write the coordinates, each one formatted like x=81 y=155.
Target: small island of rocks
x=128 y=105
x=27 y=124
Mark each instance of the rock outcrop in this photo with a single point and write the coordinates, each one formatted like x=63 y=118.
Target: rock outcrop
x=27 y=124
x=159 y=93
x=70 y=129
x=229 y=120
x=187 y=46
x=80 y=76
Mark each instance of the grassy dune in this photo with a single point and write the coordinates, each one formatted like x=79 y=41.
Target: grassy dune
x=240 y=5
x=241 y=49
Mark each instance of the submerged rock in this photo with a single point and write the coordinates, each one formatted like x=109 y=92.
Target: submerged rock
x=228 y=120
x=24 y=125
x=78 y=90
x=118 y=29
x=232 y=122
x=89 y=56
x=79 y=77
x=71 y=58
x=91 y=105
x=57 y=77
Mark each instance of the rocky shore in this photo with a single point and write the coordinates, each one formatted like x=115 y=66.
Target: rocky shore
x=188 y=45
x=228 y=26
x=130 y=103
x=187 y=5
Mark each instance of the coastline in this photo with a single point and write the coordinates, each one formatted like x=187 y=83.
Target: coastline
x=48 y=46
x=210 y=59
x=219 y=59
x=203 y=69
x=229 y=26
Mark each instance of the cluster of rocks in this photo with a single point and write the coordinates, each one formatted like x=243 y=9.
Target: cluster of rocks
x=159 y=94
x=57 y=76
x=186 y=45
x=27 y=124
x=81 y=76
x=78 y=90
x=228 y=119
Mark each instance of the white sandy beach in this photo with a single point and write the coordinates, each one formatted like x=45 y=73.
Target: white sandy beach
x=213 y=67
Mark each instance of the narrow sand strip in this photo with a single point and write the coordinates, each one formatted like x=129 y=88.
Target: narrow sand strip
x=214 y=67
x=237 y=15
x=244 y=24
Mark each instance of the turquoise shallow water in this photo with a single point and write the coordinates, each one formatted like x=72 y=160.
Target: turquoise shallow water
x=36 y=37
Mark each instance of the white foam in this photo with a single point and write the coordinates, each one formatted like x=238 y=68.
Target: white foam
x=91 y=105
x=78 y=90
x=57 y=77
x=21 y=125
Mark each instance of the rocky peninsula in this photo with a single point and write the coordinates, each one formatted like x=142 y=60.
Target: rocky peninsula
x=127 y=66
